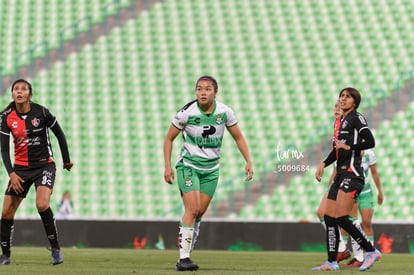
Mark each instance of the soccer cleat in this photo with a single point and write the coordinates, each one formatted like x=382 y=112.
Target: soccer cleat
x=370 y=259
x=4 y=260
x=57 y=256
x=327 y=266
x=186 y=265
x=353 y=263
x=343 y=256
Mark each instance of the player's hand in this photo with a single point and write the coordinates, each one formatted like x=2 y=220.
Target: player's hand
x=342 y=145
x=68 y=166
x=319 y=172
x=249 y=172
x=169 y=175
x=380 y=198
x=16 y=183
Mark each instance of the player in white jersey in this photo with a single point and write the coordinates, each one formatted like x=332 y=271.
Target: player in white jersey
x=202 y=123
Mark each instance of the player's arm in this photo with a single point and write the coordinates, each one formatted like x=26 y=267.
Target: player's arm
x=5 y=152
x=243 y=148
x=63 y=145
x=328 y=161
x=168 y=143
x=15 y=180
x=376 y=178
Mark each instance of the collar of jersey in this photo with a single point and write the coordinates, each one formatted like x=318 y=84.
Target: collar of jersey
x=212 y=112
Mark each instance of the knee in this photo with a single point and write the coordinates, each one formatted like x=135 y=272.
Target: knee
x=7 y=215
x=42 y=206
x=194 y=211
x=320 y=214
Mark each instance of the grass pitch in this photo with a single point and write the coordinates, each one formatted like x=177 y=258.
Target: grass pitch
x=36 y=260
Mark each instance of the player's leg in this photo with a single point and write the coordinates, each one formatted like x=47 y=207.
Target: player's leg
x=189 y=185
x=44 y=183
x=366 y=209
x=320 y=212
x=343 y=252
x=208 y=185
x=345 y=202
x=10 y=205
x=356 y=249
x=332 y=230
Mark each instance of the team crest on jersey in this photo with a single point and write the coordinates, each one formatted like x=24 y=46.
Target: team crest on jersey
x=188 y=182
x=35 y=122
x=219 y=119
x=344 y=124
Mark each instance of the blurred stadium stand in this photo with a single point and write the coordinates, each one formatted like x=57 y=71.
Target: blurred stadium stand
x=115 y=79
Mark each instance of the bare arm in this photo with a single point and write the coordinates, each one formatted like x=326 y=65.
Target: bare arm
x=243 y=148
x=376 y=178
x=169 y=139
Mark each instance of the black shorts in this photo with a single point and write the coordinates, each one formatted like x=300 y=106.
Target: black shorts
x=347 y=182
x=43 y=175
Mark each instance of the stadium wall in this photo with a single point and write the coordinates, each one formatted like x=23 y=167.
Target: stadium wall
x=215 y=235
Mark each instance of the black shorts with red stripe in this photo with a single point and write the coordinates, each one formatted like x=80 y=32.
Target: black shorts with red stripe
x=347 y=182
x=39 y=175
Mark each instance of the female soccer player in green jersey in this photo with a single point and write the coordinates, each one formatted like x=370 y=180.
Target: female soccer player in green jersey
x=202 y=123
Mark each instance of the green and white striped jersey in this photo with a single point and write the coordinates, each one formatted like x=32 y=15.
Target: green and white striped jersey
x=203 y=134
x=368 y=160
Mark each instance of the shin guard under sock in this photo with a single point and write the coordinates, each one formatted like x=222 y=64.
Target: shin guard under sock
x=357 y=235
x=7 y=228
x=332 y=238
x=50 y=227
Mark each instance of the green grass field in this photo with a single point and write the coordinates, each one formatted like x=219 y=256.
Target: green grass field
x=35 y=260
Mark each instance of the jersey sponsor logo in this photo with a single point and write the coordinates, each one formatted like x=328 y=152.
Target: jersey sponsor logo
x=21 y=141
x=35 y=122
x=15 y=124
x=33 y=141
x=331 y=239
x=205 y=140
x=208 y=130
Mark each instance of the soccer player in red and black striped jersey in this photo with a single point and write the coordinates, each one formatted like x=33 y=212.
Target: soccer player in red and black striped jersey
x=353 y=136
x=28 y=124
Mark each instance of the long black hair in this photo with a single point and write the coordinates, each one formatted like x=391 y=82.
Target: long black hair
x=13 y=104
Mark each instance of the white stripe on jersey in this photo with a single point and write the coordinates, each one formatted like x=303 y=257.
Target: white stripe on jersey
x=351 y=164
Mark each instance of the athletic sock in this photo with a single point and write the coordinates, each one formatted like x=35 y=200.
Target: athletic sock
x=356 y=248
x=7 y=228
x=196 y=232
x=343 y=241
x=332 y=237
x=356 y=234
x=50 y=227
x=371 y=239
x=185 y=239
